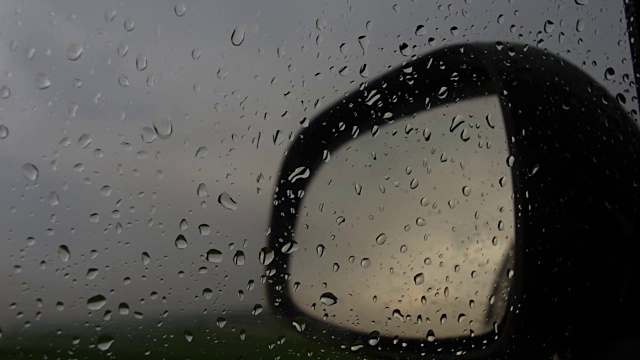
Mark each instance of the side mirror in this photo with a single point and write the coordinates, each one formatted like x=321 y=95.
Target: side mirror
x=480 y=201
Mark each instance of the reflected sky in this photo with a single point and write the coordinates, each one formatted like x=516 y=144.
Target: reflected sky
x=410 y=235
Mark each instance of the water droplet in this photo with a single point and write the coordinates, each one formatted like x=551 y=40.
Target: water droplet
x=202 y=152
x=221 y=322
x=146 y=259
x=204 y=229
x=92 y=273
x=4 y=131
x=420 y=30
x=84 y=141
x=580 y=25
x=30 y=171
x=374 y=338
x=431 y=336
x=43 y=81
x=74 y=51
x=582 y=2
x=299 y=323
x=609 y=73
x=414 y=183
x=202 y=190
x=257 y=309
x=195 y=54
x=180 y=9
x=54 y=199
x=421 y=221
x=321 y=23
x=357 y=345
x=381 y=239
x=96 y=302
x=358 y=188
x=122 y=49
x=214 y=256
x=227 y=201
x=510 y=160
x=184 y=225
x=466 y=191
x=340 y=220
x=181 y=242
x=405 y=50
x=266 y=255
x=364 y=43
x=238 y=258
x=163 y=127
x=320 y=250
x=64 y=253
x=419 y=279
x=129 y=25
x=207 y=293
x=299 y=173
x=549 y=26
x=123 y=80
x=188 y=336
x=104 y=342
x=454 y=31
x=328 y=299
x=5 y=92
x=148 y=135
x=426 y=133
x=237 y=37
x=141 y=62
x=365 y=263
x=326 y=156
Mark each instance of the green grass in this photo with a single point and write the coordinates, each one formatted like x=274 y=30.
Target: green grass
x=267 y=339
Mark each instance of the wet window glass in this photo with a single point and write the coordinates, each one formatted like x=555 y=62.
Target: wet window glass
x=295 y=179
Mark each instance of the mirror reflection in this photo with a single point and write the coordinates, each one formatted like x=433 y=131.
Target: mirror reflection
x=408 y=230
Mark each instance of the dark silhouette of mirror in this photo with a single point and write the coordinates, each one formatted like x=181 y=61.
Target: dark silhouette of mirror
x=558 y=188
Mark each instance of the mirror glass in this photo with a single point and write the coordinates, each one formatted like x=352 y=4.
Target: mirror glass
x=408 y=230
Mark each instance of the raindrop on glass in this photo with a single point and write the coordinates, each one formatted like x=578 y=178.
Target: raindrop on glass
x=180 y=9
x=227 y=201
x=104 y=342
x=74 y=51
x=238 y=258
x=609 y=73
x=328 y=299
x=30 y=171
x=181 y=242
x=163 y=127
x=188 y=336
x=237 y=37
x=43 y=81
x=141 y=62
x=266 y=255
x=202 y=152
x=214 y=256
x=64 y=253
x=5 y=92
x=96 y=302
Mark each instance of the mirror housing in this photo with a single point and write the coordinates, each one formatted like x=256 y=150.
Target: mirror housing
x=576 y=198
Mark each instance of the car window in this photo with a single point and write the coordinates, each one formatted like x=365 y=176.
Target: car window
x=142 y=145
